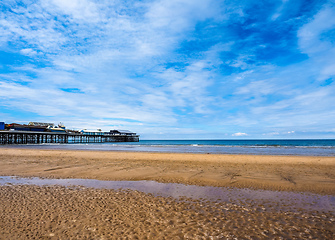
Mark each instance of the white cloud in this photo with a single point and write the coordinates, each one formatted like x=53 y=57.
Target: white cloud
x=262 y=87
x=84 y=10
x=328 y=70
x=34 y=26
x=28 y=52
x=239 y=134
x=189 y=88
x=271 y=134
x=309 y=35
x=179 y=15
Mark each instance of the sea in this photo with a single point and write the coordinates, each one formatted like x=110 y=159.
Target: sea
x=295 y=147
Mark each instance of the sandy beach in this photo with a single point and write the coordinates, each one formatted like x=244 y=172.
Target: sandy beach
x=55 y=212
x=292 y=173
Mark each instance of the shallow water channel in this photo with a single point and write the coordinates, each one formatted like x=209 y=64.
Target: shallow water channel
x=262 y=199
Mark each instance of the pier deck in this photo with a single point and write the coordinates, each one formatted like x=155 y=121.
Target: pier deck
x=29 y=137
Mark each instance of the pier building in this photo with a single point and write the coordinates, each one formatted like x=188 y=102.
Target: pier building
x=45 y=133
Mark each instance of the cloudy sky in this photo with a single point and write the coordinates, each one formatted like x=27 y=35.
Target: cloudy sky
x=169 y=69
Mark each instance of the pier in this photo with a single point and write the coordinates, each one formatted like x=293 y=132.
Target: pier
x=31 y=137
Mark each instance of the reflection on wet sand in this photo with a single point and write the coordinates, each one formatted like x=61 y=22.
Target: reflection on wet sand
x=157 y=211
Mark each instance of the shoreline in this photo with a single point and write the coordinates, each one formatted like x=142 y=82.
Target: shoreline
x=318 y=148
x=313 y=174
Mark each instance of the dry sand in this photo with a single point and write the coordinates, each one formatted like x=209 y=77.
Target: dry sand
x=33 y=212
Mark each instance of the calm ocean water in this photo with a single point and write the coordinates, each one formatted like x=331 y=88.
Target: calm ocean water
x=317 y=147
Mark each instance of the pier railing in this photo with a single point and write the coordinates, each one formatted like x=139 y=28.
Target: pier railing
x=28 y=137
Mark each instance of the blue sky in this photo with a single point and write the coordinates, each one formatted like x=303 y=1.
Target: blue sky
x=190 y=69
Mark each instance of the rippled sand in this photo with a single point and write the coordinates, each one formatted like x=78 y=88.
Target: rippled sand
x=32 y=212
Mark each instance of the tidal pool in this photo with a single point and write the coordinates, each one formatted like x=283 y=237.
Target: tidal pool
x=261 y=199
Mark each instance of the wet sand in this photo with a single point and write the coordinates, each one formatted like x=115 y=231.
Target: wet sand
x=55 y=212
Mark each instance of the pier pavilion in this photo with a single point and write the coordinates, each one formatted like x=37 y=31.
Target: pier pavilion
x=30 y=137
